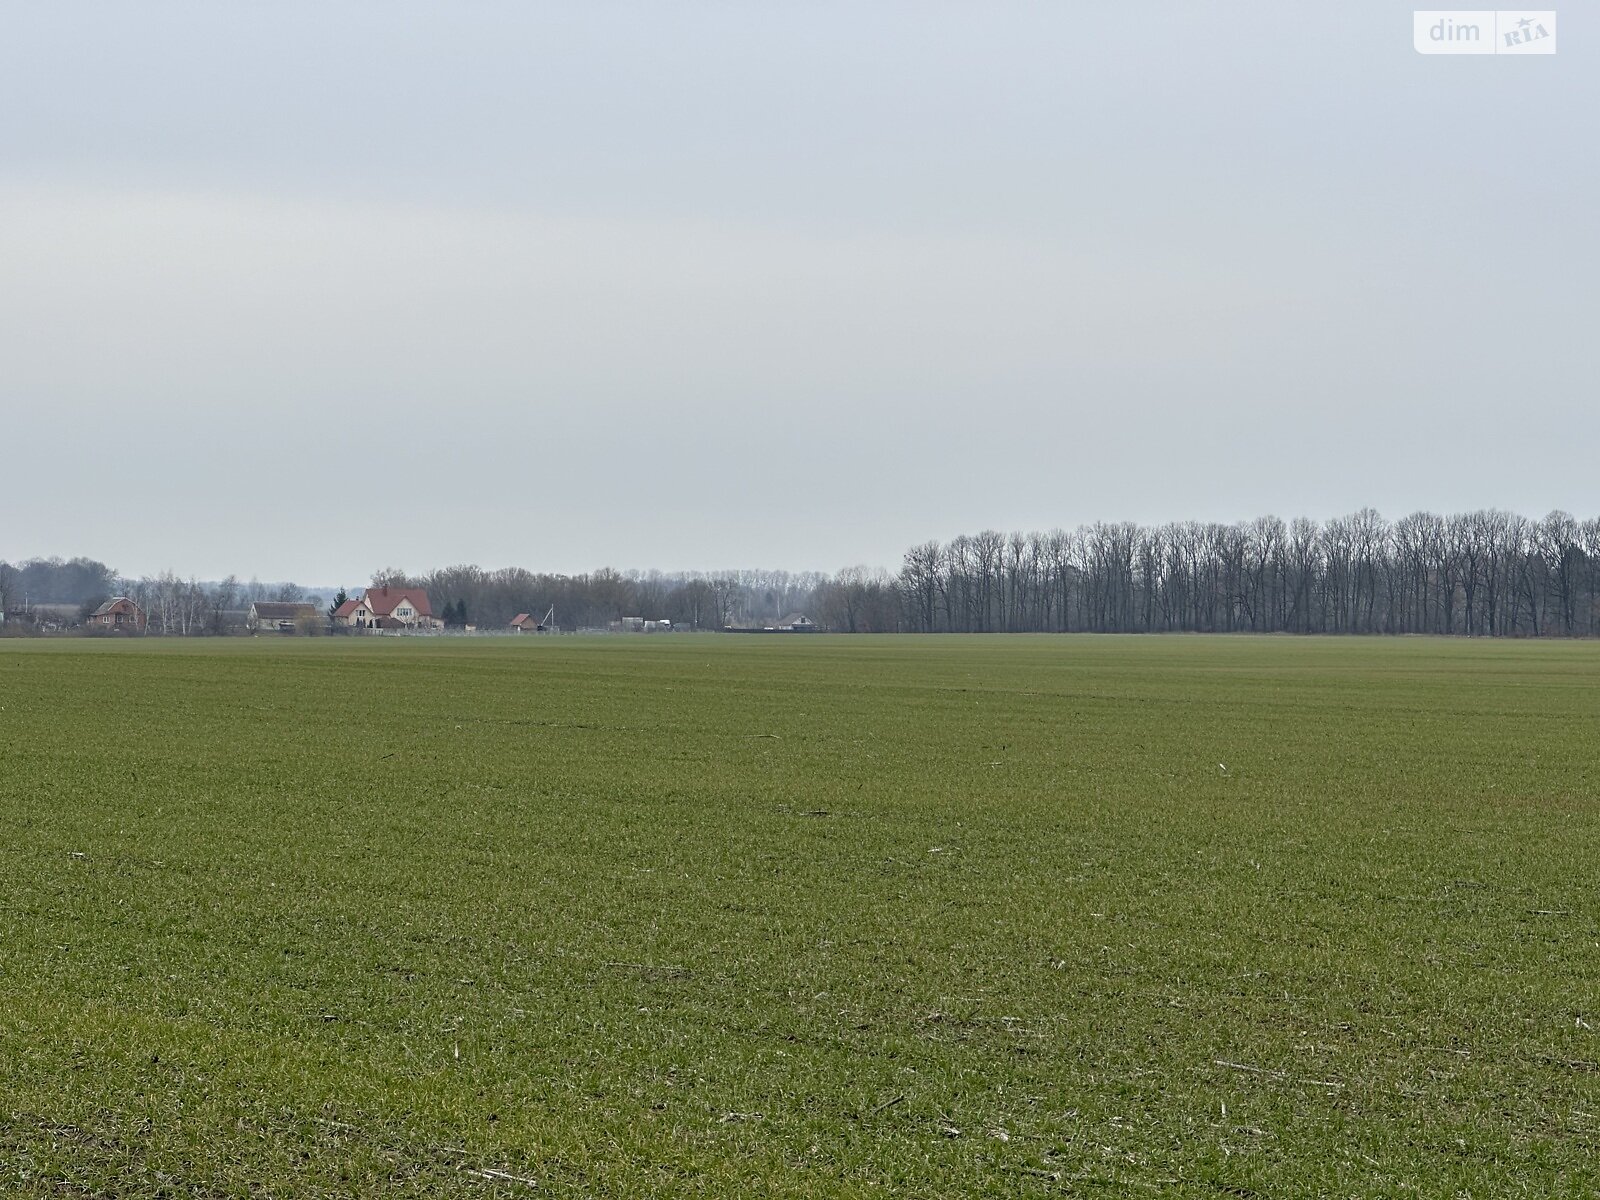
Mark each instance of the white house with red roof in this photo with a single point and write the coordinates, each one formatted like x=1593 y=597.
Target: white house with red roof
x=398 y=608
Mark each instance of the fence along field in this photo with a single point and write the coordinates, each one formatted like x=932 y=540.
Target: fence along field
x=809 y=917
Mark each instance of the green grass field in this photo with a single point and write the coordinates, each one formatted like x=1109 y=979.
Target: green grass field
x=800 y=917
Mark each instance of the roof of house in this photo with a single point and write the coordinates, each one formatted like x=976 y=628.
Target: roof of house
x=114 y=604
x=797 y=619
x=383 y=601
x=522 y=619
x=348 y=607
x=275 y=610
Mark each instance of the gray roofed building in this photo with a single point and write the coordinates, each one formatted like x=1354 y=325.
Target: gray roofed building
x=274 y=616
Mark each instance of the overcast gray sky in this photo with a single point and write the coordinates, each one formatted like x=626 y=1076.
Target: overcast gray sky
x=302 y=290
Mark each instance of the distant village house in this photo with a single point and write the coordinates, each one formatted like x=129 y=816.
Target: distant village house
x=270 y=616
x=524 y=622
x=389 y=608
x=119 y=615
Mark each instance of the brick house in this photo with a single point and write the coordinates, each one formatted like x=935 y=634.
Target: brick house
x=118 y=614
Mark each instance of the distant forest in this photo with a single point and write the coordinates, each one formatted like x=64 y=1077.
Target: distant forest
x=1487 y=573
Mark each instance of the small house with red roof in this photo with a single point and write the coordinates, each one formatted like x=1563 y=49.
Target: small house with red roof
x=119 y=614
x=392 y=608
x=524 y=622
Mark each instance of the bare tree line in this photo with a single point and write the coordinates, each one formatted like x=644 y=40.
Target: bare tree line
x=1486 y=573
x=693 y=600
